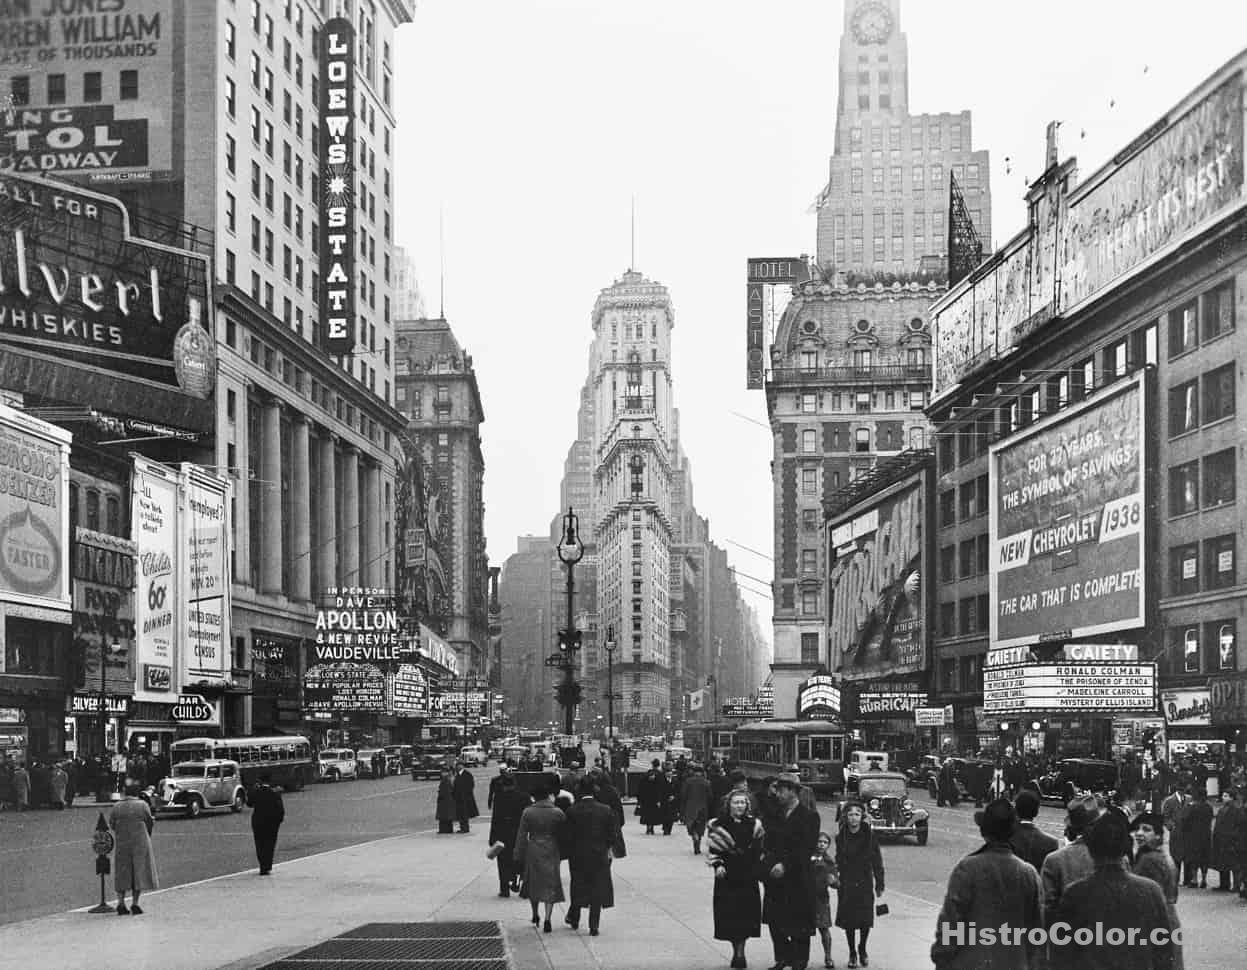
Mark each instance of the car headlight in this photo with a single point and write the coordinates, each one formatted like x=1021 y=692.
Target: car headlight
x=874 y=804
x=907 y=805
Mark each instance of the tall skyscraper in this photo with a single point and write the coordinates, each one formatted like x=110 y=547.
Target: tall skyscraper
x=851 y=356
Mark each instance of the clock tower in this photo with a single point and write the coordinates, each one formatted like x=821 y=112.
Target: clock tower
x=874 y=63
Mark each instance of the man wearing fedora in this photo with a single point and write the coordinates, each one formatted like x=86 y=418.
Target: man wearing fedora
x=991 y=887
x=789 y=845
x=1067 y=865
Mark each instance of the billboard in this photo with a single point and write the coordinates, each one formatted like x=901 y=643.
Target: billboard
x=410 y=692
x=336 y=162
x=819 y=697
x=205 y=538
x=763 y=275
x=1178 y=177
x=34 y=511
x=1067 y=507
x=77 y=286
x=103 y=568
x=1187 y=707
x=877 y=614
x=358 y=639
x=873 y=705
x=119 y=129
x=1227 y=699
x=1057 y=687
x=157 y=614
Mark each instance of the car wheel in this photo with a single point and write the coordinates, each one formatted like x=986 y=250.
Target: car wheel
x=922 y=835
x=331 y=775
x=194 y=808
x=238 y=803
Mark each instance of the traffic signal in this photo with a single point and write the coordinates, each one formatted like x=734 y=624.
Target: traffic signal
x=570 y=640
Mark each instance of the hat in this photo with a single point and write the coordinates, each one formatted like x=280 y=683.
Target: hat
x=1154 y=819
x=505 y=767
x=1109 y=837
x=1082 y=812
x=998 y=820
x=791 y=779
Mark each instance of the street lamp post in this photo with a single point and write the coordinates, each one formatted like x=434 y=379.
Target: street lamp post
x=570 y=550
x=610 y=682
x=105 y=756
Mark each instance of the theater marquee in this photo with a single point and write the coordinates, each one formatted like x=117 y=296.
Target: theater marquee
x=337 y=187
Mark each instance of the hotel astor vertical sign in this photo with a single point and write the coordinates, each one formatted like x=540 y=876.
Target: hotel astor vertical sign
x=337 y=187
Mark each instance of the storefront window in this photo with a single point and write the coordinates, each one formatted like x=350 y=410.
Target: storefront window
x=32 y=648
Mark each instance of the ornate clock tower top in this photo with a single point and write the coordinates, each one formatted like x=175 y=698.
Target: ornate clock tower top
x=874 y=60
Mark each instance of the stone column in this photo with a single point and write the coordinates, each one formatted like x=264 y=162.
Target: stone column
x=326 y=508
x=270 y=502
x=373 y=513
x=300 y=508
x=350 y=518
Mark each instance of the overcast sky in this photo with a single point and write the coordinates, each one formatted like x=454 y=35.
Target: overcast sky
x=532 y=123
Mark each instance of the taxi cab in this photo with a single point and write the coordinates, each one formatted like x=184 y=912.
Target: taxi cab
x=195 y=786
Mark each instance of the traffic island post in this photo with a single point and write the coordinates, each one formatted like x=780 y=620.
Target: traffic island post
x=103 y=843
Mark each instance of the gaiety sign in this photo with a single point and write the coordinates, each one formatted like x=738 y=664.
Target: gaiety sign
x=337 y=186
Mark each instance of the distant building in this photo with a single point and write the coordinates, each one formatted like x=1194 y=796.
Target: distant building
x=528 y=627
x=408 y=300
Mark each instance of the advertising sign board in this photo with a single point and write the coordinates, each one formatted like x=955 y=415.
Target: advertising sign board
x=1057 y=688
x=410 y=692
x=157 y=610
x=205 y=535
x=875 y=704
x=74 y=283
x=1227 y=699
x=764 y=273
x=929 y=717
x=357 y=640
x=818 y=697
x=434 y=648
x=1068 y=507
x=877 y=611
x=127 y=130
x=1187 y=707
x=34 y=511
x=104 y=610
x=337 y=186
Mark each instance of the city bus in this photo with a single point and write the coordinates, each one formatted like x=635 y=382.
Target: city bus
x=288 y=758
x=818 y=749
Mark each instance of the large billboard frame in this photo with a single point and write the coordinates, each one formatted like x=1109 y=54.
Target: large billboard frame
x=1138 y=385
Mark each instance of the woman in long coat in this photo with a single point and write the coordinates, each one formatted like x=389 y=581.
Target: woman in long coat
x=861 y=877
x=133 y=860
x=447 y=808
x=735 y=843
x=537 y=850
x=1225 y=842
x=1196 y=823
x=652 y=797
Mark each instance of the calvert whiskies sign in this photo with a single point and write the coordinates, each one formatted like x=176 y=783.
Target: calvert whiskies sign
x=337 y=186
x=77 y=287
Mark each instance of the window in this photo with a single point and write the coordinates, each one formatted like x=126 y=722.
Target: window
x=809 y=360
x=1218 y=476
x=1219 y=567
x=255 y=125
x=1219 y=393
x=231 y=101
x=966 y=559
x=231 y=40
x=809 y=648
x=230 y=267
x=948 y=621
x=809 y=442
x=967 y=617
x=268 y=86
x=809 y=403
x=982 y=553
x=809 y=561
x=255 y=235
x=1183 y=335
x=809 y=603
x=1184 y=569
x=1227 y=650
x=862 y=359
x=129 y=85
x=255 y=70
x=56 y=89
x=230 y=211
x=1218 y=311
x=809 y=519
x=1190 y=650
x=948 y=507
x=92 y=86
x=1184 y=408
x=1184 y=488
x=948 y=564
x=809 y=481
x=861 y=440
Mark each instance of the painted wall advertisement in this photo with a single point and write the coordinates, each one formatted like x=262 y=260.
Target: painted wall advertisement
x=205 y=535
x=104 y=633
x=1187 y=707
x=358 y=639
x=75 y=284
x=1186 y=173
x=877 y=610
x=126 y=129
x=337 y=192
x=154 y=527
x=34 y=511
x=1067 y=509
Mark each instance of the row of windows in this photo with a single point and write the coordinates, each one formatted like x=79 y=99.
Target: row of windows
x=967 y=616
x=879 y=254
x=1202 y=319
x=965 y=560
x=1189 y=572
x=934 y=132
x=1206 y=483
x=1206 y=649
x=864 y=359
x=1189 y=408
x=917 y=228
x=58 y=93
x=964 y=502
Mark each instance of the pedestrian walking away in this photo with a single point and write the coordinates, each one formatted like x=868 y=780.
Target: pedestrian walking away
x=734 y=842
x=1029 y=843
x=695 y=802
x=789 y=842
x=134 y=861
x=651 y=800
x=1196 y=824
x=20 y=780
x=509 y=804
x=1067 y=865
x=1225 y=842
x=537 y=850
x=465 y=800
x=446 y=808
x=990 y=887
x=861 y=880
x=267 y=814
x=1171 y=810
x=1152 y=862
x=592 y=829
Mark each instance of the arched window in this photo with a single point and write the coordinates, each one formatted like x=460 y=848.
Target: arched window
x=93 y=510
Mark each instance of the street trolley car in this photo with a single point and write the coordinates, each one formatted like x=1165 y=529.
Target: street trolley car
x=712 y=739
x=818 y=749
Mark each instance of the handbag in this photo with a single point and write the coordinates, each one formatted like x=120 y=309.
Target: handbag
x=619 y=848
x=881 y=909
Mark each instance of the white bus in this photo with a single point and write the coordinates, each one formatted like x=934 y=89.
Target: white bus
x=288 y=758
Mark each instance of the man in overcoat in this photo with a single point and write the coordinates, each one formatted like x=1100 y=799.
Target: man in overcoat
x=946 y=786
x=695 y=805
x=267 y=814
x=1171 y=810
x=592 y=828
x=465 y=800
x=652 y=795
x=991 y=887
x=1028 y=841
x=1062 y=868
x=789 y=844
x=508 y=805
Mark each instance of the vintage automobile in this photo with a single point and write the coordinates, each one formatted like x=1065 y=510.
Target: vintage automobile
x=473 y=754
x=364 y=763
x=334 y=764
x=429 y=762
x=928 y=767
x=889 y=809
x=398 y=758
x=972 y=775
x=194 y=786
x=1074 y=776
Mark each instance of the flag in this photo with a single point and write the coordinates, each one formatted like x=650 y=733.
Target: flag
x=696 y=699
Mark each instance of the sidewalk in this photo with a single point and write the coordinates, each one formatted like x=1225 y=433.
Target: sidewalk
x=662 y=917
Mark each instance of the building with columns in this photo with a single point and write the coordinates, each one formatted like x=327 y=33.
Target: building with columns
x=850 y=358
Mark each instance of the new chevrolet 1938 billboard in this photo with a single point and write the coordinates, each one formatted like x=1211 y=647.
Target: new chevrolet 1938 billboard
x=1068 y=509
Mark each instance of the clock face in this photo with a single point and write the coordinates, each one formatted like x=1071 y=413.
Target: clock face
x=872 y=23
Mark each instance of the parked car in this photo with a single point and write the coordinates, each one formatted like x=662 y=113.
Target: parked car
x=399 y=758
x=1074 y=776
x=972 y=777
x=472 y=754
x=428 y=763
x=334 y=764
x=194 y=786
x=364 y=762
x=927 y=768
x=888 y=806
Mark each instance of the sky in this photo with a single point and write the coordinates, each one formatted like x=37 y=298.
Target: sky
x=527 y=127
